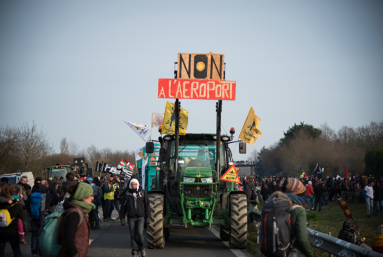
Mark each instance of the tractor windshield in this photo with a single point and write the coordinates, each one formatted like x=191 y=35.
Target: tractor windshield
x=197 y=153
x=60 y=171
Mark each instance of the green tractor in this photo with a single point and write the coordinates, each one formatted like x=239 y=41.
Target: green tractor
x=188 y=191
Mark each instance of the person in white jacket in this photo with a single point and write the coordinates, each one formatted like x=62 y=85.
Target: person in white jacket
x=369 y=195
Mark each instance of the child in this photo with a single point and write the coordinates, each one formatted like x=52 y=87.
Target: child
x=20 y=229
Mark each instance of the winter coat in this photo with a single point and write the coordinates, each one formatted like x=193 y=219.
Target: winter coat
x=298 y=226
x=135 y=206
x=318 y=191
x=264 y=192
x=248 y=190
x=347 y=233
x=378 y=195
x=309 y=190
x=16 y=212
x=74 y=238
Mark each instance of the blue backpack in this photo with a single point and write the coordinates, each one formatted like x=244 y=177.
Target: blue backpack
x=48 y=241
x=37 y=205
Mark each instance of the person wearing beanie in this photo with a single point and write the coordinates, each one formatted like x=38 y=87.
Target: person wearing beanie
x=309 y=195
x=37 y=184
x=136 y=207
x=295 y=193
x=377 y=242
x=74 y=234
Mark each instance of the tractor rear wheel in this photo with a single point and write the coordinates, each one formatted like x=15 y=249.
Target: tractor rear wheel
x=155 y=230
x=238 y=220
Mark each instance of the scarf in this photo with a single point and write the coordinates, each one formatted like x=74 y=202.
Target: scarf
x=83 y=191
x=87 y=207
x=17 y=198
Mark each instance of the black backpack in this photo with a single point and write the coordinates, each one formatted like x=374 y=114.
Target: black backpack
x=274 y=232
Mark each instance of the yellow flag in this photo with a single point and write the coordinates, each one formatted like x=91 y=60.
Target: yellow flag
x=250 y=131
x=169 y=124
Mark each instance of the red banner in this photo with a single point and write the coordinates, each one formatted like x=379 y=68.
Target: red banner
x=196 y=89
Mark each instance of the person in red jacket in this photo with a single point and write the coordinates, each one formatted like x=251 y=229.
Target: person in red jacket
x=309 y=195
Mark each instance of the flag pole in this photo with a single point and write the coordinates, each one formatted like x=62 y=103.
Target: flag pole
x=151 y=128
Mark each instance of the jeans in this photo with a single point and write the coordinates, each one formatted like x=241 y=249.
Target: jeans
x=320 y=200
x=35 y=227
x=115 y=204
x=310 y=199
x=324 y=198
x=14 y=242
x=97 y=202
x=108 y=209
x=379 y=206
x=136 y=227
x=370 y=205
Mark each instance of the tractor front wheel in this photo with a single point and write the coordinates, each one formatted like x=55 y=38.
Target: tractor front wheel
x=238 y=220
x=155 y=230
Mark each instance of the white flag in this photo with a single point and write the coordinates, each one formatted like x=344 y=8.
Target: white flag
x=141 y=129
x=157 y=119
x=139 y=154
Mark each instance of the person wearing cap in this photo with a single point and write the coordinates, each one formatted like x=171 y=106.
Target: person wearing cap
x=295 y=193
x=136 y=207
x=74 y=235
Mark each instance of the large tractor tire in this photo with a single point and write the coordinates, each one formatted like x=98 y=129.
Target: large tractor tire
x=238 y=220
x=224 y=233
x=155 y=230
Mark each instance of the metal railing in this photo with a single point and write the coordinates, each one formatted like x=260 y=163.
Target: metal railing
x=331 y=244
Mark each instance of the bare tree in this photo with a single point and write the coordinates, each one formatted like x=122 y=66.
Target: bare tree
x=34 y=146
x=74 y=148
x=9 y=144
x=64 y=146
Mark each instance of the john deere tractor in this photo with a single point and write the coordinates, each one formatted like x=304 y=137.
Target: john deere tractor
x=187 y=187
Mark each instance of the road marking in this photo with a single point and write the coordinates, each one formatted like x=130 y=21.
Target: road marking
x=237 y=252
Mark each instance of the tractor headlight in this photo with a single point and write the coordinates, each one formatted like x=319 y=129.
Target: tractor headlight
x=207 y=180
x=189 y=180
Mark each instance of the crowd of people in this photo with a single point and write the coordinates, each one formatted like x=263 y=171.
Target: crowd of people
x=311 y=193
x=80 y=198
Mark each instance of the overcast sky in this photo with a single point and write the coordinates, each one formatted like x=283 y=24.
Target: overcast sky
x=79 y=68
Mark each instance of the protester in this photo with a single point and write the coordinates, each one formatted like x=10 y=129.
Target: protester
x=74 y=234
x=295 y=193
x=10 y=233
x=378 y=197
x=136 y=206
x=309 y=195
x=377 y=242
x=69 y=181
x=249 y=184
x=318 y=192
x=369 y=195
x=37 y=184
x=264 y=191
x=97 y=194
x=108 y=189
x=347 y=233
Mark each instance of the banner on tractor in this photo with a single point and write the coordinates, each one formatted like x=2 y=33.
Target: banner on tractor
x=231 y=175
x=197 y=89
x=250 y=130
x=169 y=124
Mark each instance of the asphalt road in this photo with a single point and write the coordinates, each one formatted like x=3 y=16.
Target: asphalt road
x=114 y=240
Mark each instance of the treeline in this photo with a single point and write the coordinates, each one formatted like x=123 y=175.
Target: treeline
x=303 y=146
x=27 y=148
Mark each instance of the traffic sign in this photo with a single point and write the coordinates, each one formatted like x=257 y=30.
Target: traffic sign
x=231 y=175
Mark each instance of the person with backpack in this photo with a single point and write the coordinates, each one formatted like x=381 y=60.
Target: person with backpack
x=74 y=234
x=284 y=214
x=37 y=206
x=136 y=206
x=12 y=217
